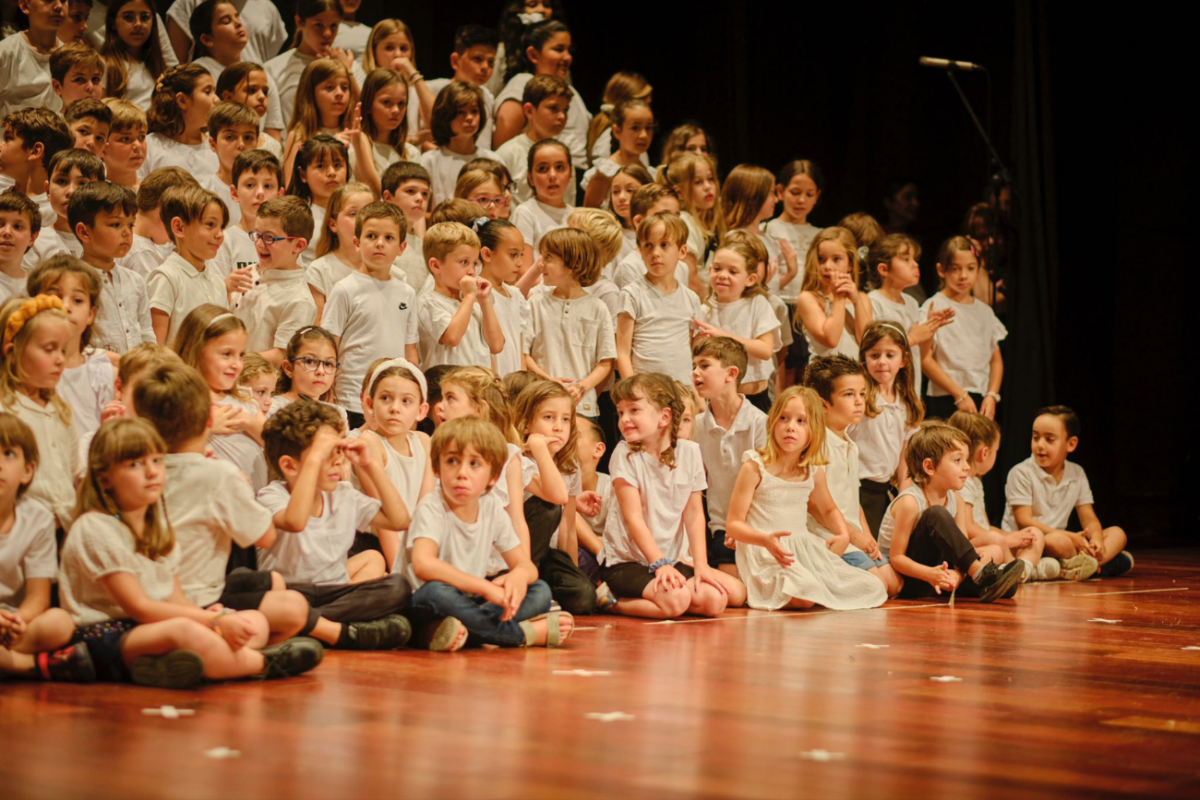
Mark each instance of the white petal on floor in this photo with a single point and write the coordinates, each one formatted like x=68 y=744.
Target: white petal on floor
x=873 y=646
x=822 y=755
x=611 y=716
x=1105 y=621
x=945 y=679
x=1190 y=647
x=223 y=752
x=583 y=673
x=168 y=712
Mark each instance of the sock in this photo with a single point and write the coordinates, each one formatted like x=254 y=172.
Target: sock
x=1030 y=569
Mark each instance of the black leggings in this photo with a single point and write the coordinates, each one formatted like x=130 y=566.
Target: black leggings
x=875 y=497
x=936 y=539
x=570 y=587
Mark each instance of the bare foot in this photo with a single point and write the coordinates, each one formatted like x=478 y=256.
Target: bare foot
x=541 y=629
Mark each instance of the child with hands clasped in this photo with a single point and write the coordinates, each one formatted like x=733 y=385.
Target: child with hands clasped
x=781 y=564
x=831 y=309
x=659 y=519
x=458 y=322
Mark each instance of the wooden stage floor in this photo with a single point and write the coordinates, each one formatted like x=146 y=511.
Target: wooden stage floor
x=1072 y=689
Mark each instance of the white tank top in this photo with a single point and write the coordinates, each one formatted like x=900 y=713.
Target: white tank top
x=889 y=521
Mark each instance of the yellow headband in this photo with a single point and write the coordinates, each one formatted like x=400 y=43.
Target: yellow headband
x=28 y=310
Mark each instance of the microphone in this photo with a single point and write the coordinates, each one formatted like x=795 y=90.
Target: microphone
x=956 y=66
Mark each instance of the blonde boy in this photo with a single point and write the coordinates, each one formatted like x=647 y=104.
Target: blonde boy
x=126 y=149
x=544 y=103
x=653 y=198
x=20 y=222
x=232 y=129
x=457 y=321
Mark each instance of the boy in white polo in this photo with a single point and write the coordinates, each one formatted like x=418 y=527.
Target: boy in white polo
x=1044 y=489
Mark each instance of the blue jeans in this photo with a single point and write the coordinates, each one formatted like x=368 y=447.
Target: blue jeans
x=481 y=618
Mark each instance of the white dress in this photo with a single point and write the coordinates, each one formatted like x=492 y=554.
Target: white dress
x=817 y=575
x=847 y=345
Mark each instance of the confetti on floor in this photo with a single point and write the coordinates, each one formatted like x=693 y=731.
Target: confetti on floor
x=1190 y=647
x=583 y=673
x=168 y=712
x=822 y=755
x=945 y=679
x=873 y=646
x=611 y=716
x=1105 y=621
x=223 y=752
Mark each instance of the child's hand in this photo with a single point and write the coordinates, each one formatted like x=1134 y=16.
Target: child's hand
x=790 y=261
x=495 y=593
x=576 y=390
x=709 y=575
x=588 y=503
x=838 y=544
x=875 y=554
x=468 y=286
x=781 y=554
x=941 y=318
x=667 y=578
x=240 y=281
x=113 y=409
x=942 y=578
x=226 y=420
x=485 y=290
x=12 y=628
x=537 y=441
x=514 y=595
x=343 y=57
x=988 y=407
x=730 y=542
x=358 y=454
x=349 y=135
x=702 y=330
x=968 y=404
x=772 y=269
x=1018 y=540
x=403 y=65
x=1095 y=547
x=235 y=629
x=843 y=286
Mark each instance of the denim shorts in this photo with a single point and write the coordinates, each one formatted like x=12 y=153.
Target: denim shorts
x=863 y=561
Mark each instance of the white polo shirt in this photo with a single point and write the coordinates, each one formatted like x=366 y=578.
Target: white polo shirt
x=662 y=328
x=177 y=287
x=274 y=310
x=570 y=338
x=748 y=317
x=123 y=316
x=1051 y=503
x=722 y=452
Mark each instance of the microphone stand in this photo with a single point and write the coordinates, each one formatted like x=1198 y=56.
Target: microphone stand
x=1000 y=168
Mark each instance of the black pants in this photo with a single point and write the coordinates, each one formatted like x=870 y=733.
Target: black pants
x=942 y=407
x=354 y=602
x=570 y=587
x=761 y=401
x=875 y=497
x=608 y=422
x=936 y=539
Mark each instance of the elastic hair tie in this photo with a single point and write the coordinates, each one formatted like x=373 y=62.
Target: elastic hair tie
x=887 y=323
x=478 y=223
x=28 y=310
x=863 y=252
x=403 y=363
x=607 y=108
x=531 y=19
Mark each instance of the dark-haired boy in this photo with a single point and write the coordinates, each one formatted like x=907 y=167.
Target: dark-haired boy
x=545 y=102
x=257 y=178
x=90 y=122
x=406 y=185
x=77 y=73
x=32 y=136
x=232 y=130
x=25 y=59
x=473 y=61
x=69 y=169
x=151 y=243
x=20 y=222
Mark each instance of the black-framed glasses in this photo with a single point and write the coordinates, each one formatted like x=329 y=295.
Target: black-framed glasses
x=312 y=364
x=269 y=239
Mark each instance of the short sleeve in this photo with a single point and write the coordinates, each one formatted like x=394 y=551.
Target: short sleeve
x=629 y=304
x=315 y=275
x=606 y=344
x=161 y=291
x=525 y=224
x=41 y=559
x=693 y=301
x=759 y=426
x=365 y=506
x=337 y=311
x=620 y=467
x=574 y=483
x=235 y=510
x=999 y=332
x=1085 y=490
x=412 y=324
x=764 y=318
x=105 y=547
x=429 y=520
x=298 y=313
x=434 y=318
x=1018 y=489
x=698 y=476
x=504 y=538
x=273 y=119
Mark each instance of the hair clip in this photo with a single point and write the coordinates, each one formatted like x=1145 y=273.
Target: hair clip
x=479 y=222
x=862 y=252
x=531 y=19
x=607 y=108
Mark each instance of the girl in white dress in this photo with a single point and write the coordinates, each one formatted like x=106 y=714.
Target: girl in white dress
x=133 y=51
x=781 y=563
x=832 y=310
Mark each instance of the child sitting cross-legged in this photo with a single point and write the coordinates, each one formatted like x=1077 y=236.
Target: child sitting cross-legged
x=453 y=533
x=317 y=514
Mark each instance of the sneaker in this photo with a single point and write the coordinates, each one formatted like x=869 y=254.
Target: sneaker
x=606 y=601
x=387 y=633
x=292 y=657
x=1048 y=569
x=178 y=669
x=1030 y=573
x=1079 y=567
x=995 y=581
x=1121 y=563
x=447 y=636
x=72 y=663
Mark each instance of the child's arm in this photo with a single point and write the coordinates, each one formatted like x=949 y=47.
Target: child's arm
x=1092 y=529
x=252 y=425
x=995 y=378
x=124 y=588
x=904 y=512
x=903 y=481
x=568 y=540
x=493 y=334
x=521 y=573
x=625 y=345
x=516 y=508
x=827 y=330
x=736 y=527
x=161 y=322
x=530 y=279
x=761 y=347
x=597 y=376
x=429 y=567
x=37 y=598
x=548 y=484
x=822 y=501
x=428 y=482
x=1025 y=519
x=933 y=370
x=693 y=520
x=290 y=147
x=461 y=321
x=319 y=298
x=393 y=514
x=629 y=499
x=864 y=313
x=294 y=518
x=586 y=537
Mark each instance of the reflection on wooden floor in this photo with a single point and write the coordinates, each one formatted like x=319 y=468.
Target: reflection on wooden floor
x=1050 y=701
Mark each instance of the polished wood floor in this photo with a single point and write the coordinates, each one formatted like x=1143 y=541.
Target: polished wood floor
x=1047 y=702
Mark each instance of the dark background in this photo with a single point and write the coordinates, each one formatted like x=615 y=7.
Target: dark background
x=839 y=83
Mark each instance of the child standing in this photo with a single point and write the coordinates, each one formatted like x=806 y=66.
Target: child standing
x=385 y=107
x=694 y=179
x=20 y=222
x=652 y=198
x=77 y=73
x=327 y=103
x=749 y=198
x=725 y=429
x=833 y=312
x=316 y=29
x=126 y=149
x=544 y=104
x=406 y=186
x=25 y=59
x=232 y=129
x=133 y=51
x=549 y=173
x=458 y=114
x=1043 y=490
x=308 y=370
x=320 y=170
x=473 y=60
x=32 y=136
x=337 y=253
x=572 y=340
x=633 y=131
x=798 y=187
x=69 y=169
x=963 y=363
x=178 y=115
x=782 y=565
x=90 y=122
x=257 y=178
x=247 y=83
x=151 y=239
x=501 y=249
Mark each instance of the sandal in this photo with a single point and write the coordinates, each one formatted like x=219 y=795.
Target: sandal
x=448 y=636
x=554 y=637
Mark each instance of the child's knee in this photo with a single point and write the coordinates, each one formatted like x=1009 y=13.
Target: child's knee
x=186 y=634
x=292 y=611
x=1116 y=537
x=58 y=626
x=709 y=602
x=674 y=602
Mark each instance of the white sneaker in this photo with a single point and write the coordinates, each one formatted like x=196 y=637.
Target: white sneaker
x=1048 y=569
x=1079 y=567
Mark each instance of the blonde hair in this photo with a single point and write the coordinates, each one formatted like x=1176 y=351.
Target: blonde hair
x=472 y=179
x=982 y=432
x=125 y=115
x=750 y=256
x=603 y=228
x=254 y=365
x=680 y=174
x=203 y=324
x=383 y=29
x=118 y=440
x=444 y=237
x=621 y=88
x=814 y=454
x=525 y=407
x=933 y=440
x=659 y=391
x=142 y=357
x=486 y=391
x=306 y=117
x=577 y=251
x=812 y=273
x=467 y=432
x=674 y=228
x=19 y=318
x=744 y=193
x=906 y=389
x=330 y=240
x=865 y=228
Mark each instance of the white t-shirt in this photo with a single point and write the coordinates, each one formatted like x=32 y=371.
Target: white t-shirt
x=722 y=452
x=748 y=317
x=238 y=448
x=607 y=292
x=222 y=190
x=58 y=457
x=697 y=245
x=484 y=139
x=800 y=237
x=26 y=77
x=444 y=165
x=237 y=252
x=516 y=321
x=406 y=473
x=273 y=118
x=123 y=315
x=964 y=347
x=145 y=256
x=574 y=135
x=211 y=505
x=96 y=30
x=514 y=155
x=1051 y=503
x=198 y=160
x=274 y=310
x=386 y=155
x=436 y=311
x=325 y=272
x=13 y=287
x=881 y=440
x=467 y=546
x=841 y=476
x=309 y=254
x=100 y=545
x=570 y=338
x=28 y=551
x=535 y=219
x=352 y=36
x=906 y=315
x=662 y=328
x=375 y=319
x=139 y=84
x=411 y=266
x=177 y=287
x=847 y=344
x=604 y=488
x=665 y=494
x=50 y=243
x=972 y=494
x=317 y=554
x=285 y=70
x=264 y=26
x=87 y=389
x=632 y=268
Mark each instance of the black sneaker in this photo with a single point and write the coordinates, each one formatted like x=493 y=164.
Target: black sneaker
x=72 y=663
x=386 y=633
x=1016 y=564
x=178 y=669
x=293 y=657
x=994 y=581
x=1121 y=563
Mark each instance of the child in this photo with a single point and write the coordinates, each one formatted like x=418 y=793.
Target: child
x=653 y=198
x=633 y=131
x=391 y=46
x=782 y=565
x=371 y=313
x=327 y=103
x=549 y=173
x=572 y=340
x=473 y=60
x=232 y=129
x=33 y=136
x=482 y=187
x=151 y=241
x=76 y=73
x=33 y=636
x=727 y=427
x=738 y=308
x=133 y=52
x=259 y=377
x=891 y=414
x=74 y=29
x=20 y=222
x=338 y=254
x=280 y=304
x=544 y=103
x=385 y=106
x=134 y=364
x=620 y=202
x=605 y=232
x=590 y=527
x=655 y=322
x=25 y=59
x=963 y=362
x=501 y=249
x=69 y=169
x=450 y=543
x=265 y=31
x=308 y=370
x=320 y=170
x=34 y=343
x=247 y=83
x=457 y=320
x=694 y=179
x=458 y=115
x=316 y=28
x=406 y=186
x=195 y=220
x=749 y=198
x=1043 y=490
x=317 y=515
x=89 y=121
x=687 y=137
x=798 y=187
x=257 y=178
x=833 y=312
x=922 y=531
x=183 y=97
x=102 y=216
x=659 y=519
x=125 y=152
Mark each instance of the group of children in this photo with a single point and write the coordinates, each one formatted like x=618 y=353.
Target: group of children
x=373 y=379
